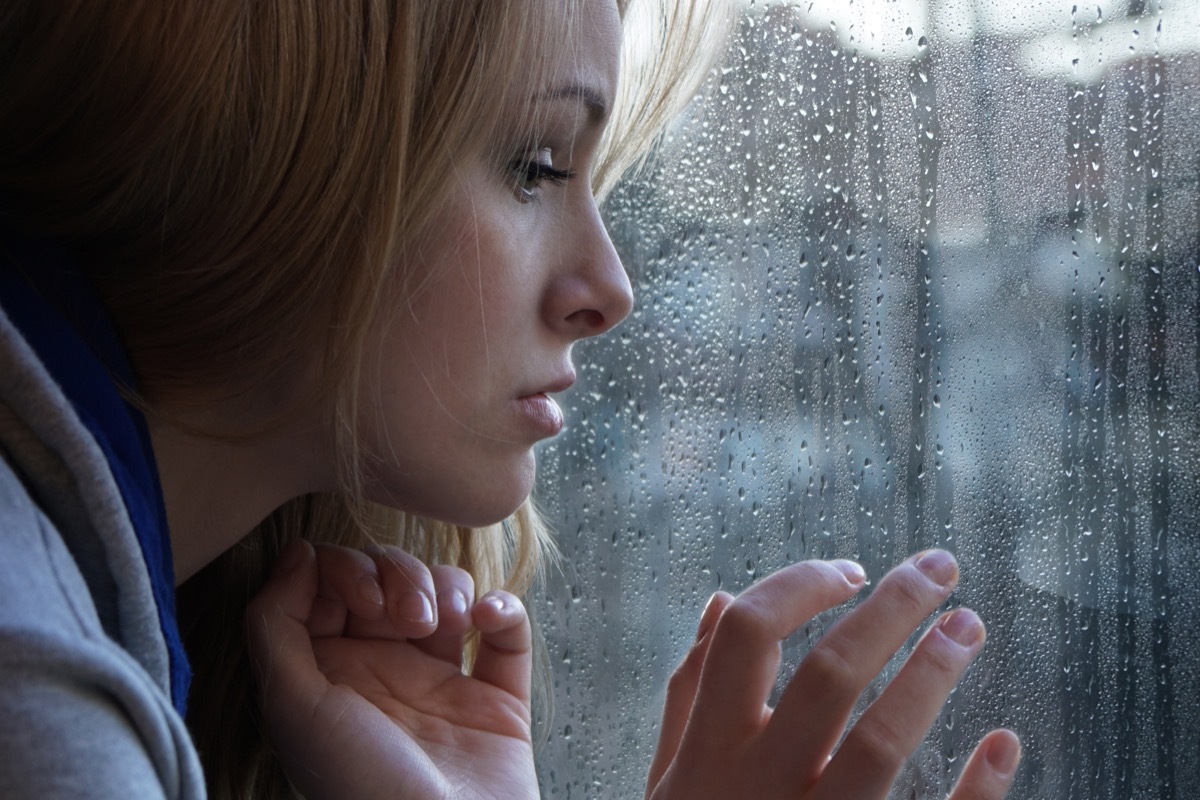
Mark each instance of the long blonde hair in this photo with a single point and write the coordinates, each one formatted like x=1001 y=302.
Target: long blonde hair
x=239 y=179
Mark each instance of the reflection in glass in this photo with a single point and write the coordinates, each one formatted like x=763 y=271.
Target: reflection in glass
x=910 y=274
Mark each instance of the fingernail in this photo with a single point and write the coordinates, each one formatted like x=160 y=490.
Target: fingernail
x=414 y=606
x=939 y=566
x=963 y=626
x=495 y=602
x=370 y=590
x=852 y=572
x=454 y=601
x=1003 y=753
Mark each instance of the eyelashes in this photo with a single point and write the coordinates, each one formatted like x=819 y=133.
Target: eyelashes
x=535 y=169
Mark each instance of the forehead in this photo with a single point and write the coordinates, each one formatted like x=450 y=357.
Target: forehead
x=583 y=65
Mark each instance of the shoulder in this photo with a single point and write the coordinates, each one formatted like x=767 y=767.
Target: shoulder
x=79 y=715
x=43 y=510
x=38 y=583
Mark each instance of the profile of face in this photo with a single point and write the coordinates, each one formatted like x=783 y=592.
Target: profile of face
x=519 y=268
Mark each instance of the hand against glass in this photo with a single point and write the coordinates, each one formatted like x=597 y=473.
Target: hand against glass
x=720 y=739
x=358 y=658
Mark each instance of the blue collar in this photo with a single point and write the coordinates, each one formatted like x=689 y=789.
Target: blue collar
x=57 y=310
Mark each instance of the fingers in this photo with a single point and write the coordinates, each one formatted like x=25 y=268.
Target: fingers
x=876 y=748
x=505 y=657
x=813 y=711
x=348 y=584
x=454 y=590
x=792 y=744
x=279 y=644
x=385 y=593
x=409 y=597
x=743 y=657
x=681 y=690
x=991 y=768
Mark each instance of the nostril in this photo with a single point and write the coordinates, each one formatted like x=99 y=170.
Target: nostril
x=589 y=318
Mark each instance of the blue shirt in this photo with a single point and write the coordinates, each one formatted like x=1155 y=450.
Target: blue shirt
x=58 y=312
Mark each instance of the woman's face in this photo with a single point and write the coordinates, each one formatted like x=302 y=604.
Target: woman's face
x=517 y=270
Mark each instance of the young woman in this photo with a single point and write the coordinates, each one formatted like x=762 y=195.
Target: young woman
x=286 y=289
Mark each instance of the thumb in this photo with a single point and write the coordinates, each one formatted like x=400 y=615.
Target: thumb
x=505 y=657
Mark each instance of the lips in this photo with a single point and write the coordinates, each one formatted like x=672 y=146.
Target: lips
x=541 y=414
x=559 y=384
x=539 y=411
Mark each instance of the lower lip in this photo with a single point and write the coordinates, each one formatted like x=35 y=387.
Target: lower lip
x=542 y=414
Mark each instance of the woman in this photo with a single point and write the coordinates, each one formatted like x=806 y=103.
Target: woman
x=284 y=270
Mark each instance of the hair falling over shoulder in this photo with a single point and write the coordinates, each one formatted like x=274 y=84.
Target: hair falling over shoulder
x=239 y=179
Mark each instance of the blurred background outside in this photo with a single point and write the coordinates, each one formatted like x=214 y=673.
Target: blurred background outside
x=910 y=273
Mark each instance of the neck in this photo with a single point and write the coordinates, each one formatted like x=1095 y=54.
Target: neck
x=216 y=491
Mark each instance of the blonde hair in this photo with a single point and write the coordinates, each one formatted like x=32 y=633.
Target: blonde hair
x=239 y=179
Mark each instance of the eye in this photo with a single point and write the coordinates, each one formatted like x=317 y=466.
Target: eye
x=535 y=168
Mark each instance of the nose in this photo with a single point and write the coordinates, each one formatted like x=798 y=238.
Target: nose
x=591 y=295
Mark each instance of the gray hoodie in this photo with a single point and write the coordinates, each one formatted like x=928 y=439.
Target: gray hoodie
x=85 y=705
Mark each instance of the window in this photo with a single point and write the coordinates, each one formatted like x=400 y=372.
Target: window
x=910 y=274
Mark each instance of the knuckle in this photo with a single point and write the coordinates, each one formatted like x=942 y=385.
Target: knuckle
x=878 y=744
x=937 y=656
x=824 y=571
x=682 y=678
x=912 y=592
x=829 y=670
x=446 y=575
x=394 y=559
x=688 y=669
x=401 y=558
x=340 y=561
x=814 y=570
x=451 y=571
x=746 y=619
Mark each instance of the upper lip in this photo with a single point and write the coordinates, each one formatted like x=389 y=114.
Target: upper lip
x=559 y=384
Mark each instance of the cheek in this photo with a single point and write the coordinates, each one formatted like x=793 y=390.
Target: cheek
x=483 y=290
x=441 y=305
x=464 y=308
x=436 y=350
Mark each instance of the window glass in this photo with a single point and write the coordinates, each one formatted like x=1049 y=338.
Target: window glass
x=910 y=274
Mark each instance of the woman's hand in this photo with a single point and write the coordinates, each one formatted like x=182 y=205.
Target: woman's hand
x=719 y=738
x=358 y=658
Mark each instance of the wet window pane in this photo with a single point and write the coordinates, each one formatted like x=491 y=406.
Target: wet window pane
x=910 y=274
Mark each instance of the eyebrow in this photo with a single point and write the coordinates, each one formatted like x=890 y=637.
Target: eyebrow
x=591 y=98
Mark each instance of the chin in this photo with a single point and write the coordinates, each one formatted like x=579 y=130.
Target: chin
x=473 y=512
x=493 y=500
x=484 y=497
x=487 y=517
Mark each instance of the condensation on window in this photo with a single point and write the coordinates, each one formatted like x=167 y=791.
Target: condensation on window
x=910 y=274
